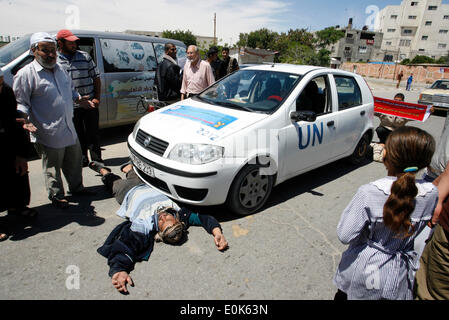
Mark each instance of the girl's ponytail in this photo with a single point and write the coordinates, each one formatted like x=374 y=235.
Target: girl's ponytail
x=408 y=149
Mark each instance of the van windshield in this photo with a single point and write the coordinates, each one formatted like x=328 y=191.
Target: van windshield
x=14 y=49
x=251 y=90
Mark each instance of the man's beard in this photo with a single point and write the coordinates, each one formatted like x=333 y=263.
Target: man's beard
x=45 y=64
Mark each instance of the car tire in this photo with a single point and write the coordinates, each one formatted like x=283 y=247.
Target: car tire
x=361 y=150
x=249 y=190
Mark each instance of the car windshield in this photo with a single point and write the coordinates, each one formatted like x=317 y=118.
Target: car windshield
x=251 y=90
x=14 y=49
x=440 y=84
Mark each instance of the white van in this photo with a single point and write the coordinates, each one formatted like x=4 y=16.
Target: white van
x=127 y=65
x=252 y=130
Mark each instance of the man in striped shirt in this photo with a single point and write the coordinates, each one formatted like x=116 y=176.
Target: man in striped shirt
x=86 y=80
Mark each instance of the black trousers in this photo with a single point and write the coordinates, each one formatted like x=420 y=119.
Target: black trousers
x=383 y=133
x=119 y=187
x=86 y=126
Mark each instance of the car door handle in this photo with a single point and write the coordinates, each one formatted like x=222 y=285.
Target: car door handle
x=330 y=123
x=362 y=113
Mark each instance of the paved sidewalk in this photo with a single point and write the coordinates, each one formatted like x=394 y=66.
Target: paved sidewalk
x=416 y=86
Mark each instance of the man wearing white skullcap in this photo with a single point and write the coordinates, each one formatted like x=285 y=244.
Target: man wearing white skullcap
x=45 y=96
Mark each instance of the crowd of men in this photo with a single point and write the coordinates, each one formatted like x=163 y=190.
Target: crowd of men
x=54 y=105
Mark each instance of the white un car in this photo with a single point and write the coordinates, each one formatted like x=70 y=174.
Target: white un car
x=251 y=131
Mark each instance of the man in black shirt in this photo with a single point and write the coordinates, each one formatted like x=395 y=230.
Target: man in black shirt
x=168 y=76
x=229 y=64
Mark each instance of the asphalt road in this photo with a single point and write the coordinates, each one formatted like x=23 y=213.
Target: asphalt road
x=289 y=250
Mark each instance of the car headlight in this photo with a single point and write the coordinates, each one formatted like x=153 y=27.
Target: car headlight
x=136 y=128
x=426 y=98
x=196 y=153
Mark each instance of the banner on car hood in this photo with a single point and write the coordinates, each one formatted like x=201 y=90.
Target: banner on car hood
x=412 y=111
x=209 y=118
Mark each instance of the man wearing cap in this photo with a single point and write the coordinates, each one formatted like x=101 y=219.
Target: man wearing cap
x=215 y=62
x=86 y=80
x=45 y=96
x=197 y=76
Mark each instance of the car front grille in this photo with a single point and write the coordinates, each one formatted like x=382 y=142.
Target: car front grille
x=440 y=98
x=151 y=143
x=154 y=182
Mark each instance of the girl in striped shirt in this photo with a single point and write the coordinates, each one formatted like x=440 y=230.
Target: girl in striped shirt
x=382 y=221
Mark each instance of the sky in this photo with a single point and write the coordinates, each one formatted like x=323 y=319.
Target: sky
x=19 y=17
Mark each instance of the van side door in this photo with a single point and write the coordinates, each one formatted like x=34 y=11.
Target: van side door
x=129 y=69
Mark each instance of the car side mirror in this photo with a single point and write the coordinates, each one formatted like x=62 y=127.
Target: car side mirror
x=309 y=116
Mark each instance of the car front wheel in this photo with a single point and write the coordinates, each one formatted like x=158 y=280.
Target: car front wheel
x=361 y=150
x=250 y=190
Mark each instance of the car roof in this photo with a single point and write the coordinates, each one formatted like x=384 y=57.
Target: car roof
x=294 y=68
x=118 y=35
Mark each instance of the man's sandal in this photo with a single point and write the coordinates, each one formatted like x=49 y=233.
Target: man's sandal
x=97 y=166
x=3 y=237
x=60 y=203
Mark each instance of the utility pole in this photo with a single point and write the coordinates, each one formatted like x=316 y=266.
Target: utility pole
x=215 y=28
x=396 y=64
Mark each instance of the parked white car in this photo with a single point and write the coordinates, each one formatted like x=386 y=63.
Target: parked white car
x=437 y=95
x=251 y=131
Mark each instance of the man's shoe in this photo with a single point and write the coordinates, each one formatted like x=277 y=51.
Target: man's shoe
x=60 y=203
x=97 y=166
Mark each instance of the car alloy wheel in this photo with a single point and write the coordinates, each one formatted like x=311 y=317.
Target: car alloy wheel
x=250 y=190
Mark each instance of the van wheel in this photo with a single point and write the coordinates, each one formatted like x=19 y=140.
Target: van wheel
x=249 y=191
x=360 y=151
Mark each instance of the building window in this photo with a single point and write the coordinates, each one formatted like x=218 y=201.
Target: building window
x=391 y=30
x=388 y=43
x=407 y=32
x=363 y=49
x=432 y=8
x=446 y=17
x=421 y=50
x=412 y=17
x=424 y=37
x=394 y=16
x=443 y=31
x=404 y=43
x=414 y=3
x=441 y=46
x=428 y=23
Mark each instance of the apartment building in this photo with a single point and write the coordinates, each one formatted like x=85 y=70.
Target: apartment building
x=357 y=45
x=415 y=27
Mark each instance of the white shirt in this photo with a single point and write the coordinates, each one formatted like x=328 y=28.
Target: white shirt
x=47 y=98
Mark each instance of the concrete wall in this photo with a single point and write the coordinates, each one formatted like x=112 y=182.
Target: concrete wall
x=424 y=74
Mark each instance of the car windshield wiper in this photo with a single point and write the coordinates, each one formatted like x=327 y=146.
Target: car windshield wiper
x=233 y=105
x=205 y=100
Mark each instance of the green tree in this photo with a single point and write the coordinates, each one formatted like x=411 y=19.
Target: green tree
x=262 y=38
x=300 y=54
x=443 y=60
x=422 y=59
x=328 y=36
x=185 y=36
x=302 y=36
